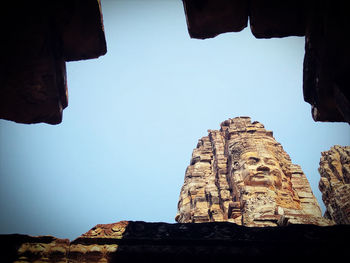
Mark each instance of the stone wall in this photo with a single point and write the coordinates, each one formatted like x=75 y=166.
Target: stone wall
x=129 y=241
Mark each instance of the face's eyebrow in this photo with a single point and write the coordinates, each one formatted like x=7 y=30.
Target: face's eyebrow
x=271 y=161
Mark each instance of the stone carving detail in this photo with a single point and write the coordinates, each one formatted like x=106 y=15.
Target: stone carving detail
x=96 y=245
x=241 y=174
x=26 y=249
x=335 y=183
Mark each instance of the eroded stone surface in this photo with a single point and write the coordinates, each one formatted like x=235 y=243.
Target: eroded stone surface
x=241 y=174
x=99 y=244
x=26 y=249
x=114 y=230
x=335 y=183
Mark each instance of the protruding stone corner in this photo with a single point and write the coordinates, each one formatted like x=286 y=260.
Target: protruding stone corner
x=258 y=124
x=334 y=183
x=207 y=19
x=112 y=230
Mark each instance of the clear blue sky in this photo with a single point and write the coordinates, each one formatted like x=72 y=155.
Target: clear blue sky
x=135 y=115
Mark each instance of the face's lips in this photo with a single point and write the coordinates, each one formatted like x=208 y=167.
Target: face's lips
x=259 y=176
x=261 y=173
x=263 y=169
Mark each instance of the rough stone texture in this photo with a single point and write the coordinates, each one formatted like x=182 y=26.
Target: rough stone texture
x=335 y=183
x=324 y=24
x=241 y=174
x=38 y=37
x=99 y=244
x=128 y=241
x=25 y=249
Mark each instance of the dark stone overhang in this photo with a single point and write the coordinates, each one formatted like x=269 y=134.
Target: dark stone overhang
x=324 y=24
x=38 y=37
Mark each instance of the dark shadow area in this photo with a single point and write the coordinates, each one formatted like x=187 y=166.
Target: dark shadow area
x=12 y=248
x=191 y=242
x=38 y=38
x=210 y=242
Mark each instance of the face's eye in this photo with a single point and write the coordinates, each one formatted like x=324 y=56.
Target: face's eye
x=253 y=160
x=269 y=161
x=236 y=165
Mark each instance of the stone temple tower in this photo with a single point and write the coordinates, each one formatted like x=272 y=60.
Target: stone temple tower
x=241 y=174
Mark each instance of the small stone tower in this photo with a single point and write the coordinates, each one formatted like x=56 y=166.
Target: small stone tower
x=241 y=174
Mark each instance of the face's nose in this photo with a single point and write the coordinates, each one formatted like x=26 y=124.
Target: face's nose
x=263 y=168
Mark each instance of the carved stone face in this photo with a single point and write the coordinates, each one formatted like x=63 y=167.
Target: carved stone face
x=259 y=169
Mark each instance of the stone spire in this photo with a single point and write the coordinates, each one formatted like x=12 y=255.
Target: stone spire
x=241 y=174
x=335 y=183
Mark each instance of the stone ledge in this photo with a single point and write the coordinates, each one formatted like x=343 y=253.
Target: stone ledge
x=188 y=242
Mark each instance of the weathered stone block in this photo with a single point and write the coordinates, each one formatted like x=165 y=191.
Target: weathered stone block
x=209 y=18
x=335 y=183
